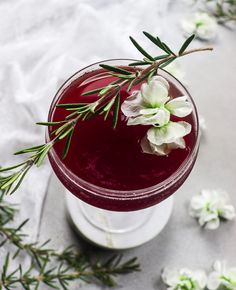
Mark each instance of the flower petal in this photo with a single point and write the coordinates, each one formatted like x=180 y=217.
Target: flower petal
x=219 y=266
x=178 y=143
x=162 y=80
x=179 y=107
x=170 y=276
x=207 y=195
x=149 y=148
x=145 y=145
x=213 y=224
x=160 y=150
x=196 y=205
x=228 y=212
x=161 y=117
x=155 y=93
x=188 y=27
x=169 y=133
x=149 y=111
x=201 y=278
x=132 y=105
x=213 y=281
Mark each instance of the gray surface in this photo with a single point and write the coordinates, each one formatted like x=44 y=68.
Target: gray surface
x=211 y=79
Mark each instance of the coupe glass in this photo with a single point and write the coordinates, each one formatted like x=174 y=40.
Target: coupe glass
x=120 y=219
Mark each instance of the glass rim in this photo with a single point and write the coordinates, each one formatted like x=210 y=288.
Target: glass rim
x=107 y=193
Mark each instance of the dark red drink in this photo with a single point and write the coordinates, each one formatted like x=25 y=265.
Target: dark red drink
x=106 y=167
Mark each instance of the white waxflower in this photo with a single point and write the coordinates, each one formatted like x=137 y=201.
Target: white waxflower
x=184 y=279
x=152 y=104
x=201 y=24
x=222 y=277
x=209 y=206
x=161 y=140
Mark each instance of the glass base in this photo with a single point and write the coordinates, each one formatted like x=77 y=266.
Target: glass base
x=118 y=230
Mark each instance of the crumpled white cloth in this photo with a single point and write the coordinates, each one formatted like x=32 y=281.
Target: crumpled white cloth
x=41 y=44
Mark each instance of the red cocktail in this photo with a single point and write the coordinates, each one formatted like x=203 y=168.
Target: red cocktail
x=106 y=167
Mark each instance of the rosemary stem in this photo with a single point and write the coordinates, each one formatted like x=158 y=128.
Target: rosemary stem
x=183 y=54
x=157 y=64
x=196 y=50
x=73 y=275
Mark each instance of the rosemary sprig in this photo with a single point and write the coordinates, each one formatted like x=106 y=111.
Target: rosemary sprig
x=223 y=10
x=61 y=275
x=108 y=100
x=71 y=264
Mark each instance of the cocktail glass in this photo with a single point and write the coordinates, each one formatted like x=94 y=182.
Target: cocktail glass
x=113 y=218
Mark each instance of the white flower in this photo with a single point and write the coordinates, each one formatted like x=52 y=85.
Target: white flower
x=203 y=25
x=222 y=276
x=152 y=105
x=161 y=140
x=184 y=279
x=209 y=206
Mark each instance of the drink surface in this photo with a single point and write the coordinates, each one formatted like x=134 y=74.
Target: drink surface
x=112 y=158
